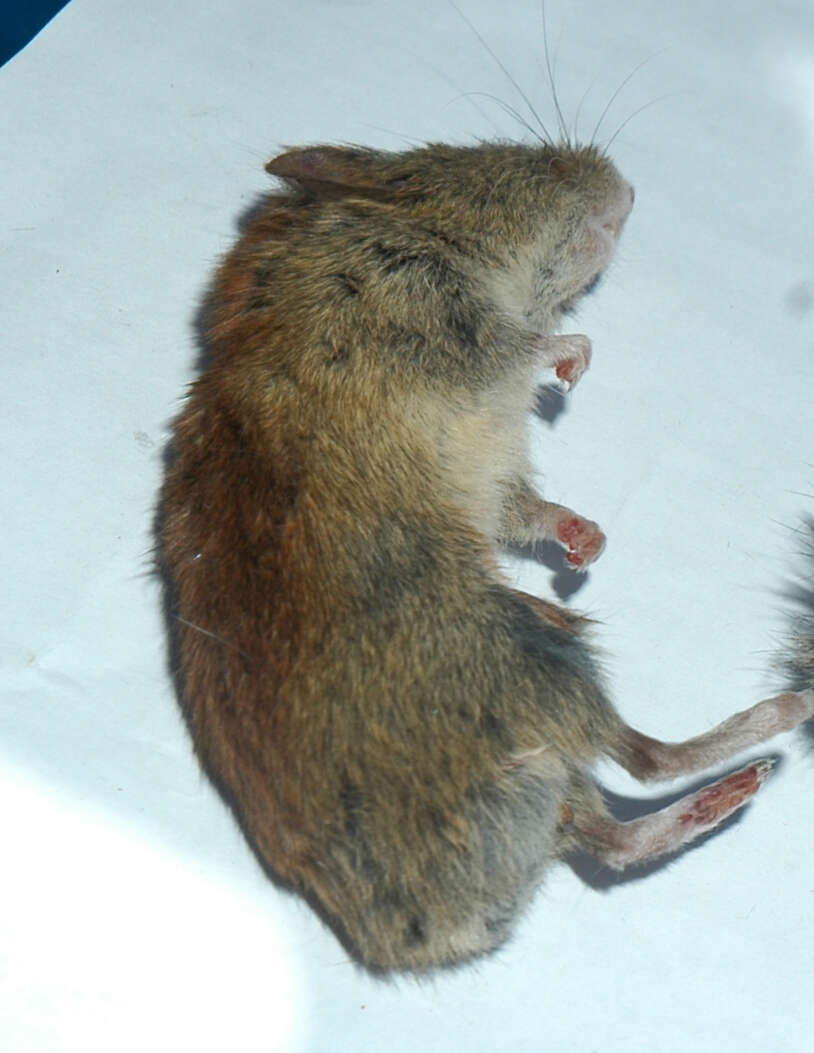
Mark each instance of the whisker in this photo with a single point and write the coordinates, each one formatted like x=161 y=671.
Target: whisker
x=551 y=82
x=461 y=94
x=468 y=95
x=585 y=95
x=627 y=79
x=647 y=105
x=505 y=72
x=396 y=135
x=511 y=111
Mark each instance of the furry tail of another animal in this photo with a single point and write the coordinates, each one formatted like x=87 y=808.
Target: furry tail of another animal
x=799 y=661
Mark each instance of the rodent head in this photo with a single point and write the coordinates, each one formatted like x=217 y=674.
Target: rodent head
x=542 y=221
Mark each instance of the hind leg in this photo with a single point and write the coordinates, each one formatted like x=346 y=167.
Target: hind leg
x=647 y=758
x=618 y=845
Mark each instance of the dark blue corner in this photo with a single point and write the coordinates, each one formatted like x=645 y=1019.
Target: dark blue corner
x=21 y=21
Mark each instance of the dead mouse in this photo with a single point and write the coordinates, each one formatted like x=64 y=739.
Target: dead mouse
x=406 y=739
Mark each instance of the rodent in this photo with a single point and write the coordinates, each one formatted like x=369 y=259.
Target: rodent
x=405 y=739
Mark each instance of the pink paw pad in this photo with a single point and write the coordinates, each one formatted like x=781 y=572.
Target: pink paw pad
x=583 y=539
x=715 y=803
x=571 y=369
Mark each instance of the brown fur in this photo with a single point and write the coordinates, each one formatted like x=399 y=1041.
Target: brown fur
x=405 y=739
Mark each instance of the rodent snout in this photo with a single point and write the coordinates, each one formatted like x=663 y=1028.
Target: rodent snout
x=631 y=199
x=615 y=220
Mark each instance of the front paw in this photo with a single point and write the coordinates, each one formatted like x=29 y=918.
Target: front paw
x=570 y=356
x=571 y=369
x=583 y=539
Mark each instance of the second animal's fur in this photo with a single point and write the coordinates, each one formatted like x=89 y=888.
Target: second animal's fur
x=406 y=739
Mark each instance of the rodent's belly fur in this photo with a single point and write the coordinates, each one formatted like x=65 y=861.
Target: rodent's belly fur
x=483 y=445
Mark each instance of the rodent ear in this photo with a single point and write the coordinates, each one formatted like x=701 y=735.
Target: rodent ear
x=331 y=171
x=328 y=164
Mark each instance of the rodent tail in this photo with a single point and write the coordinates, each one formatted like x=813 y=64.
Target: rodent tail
x=799 y=659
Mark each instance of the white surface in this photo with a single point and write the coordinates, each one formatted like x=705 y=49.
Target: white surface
x=132 y=915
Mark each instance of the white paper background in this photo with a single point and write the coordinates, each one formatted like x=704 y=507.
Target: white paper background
x=132 y=915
